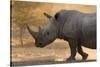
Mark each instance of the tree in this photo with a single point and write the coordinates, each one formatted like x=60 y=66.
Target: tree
x=22 y=14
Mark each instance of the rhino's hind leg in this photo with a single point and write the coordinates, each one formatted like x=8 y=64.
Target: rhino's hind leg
x=73 y=46
x=83 y=54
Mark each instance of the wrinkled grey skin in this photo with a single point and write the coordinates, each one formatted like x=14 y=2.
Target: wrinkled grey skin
x=79 y=29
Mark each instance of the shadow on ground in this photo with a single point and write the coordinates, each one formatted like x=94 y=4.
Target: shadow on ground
x=30 y=63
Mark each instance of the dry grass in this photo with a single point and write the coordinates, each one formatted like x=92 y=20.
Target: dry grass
x=57 y=51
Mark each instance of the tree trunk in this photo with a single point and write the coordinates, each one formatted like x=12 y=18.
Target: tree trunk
x=21 y=36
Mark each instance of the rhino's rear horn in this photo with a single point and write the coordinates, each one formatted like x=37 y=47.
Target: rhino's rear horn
x=47 y=15
x=40 y=29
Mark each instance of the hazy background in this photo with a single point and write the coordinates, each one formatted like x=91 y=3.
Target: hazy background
x=22 y=43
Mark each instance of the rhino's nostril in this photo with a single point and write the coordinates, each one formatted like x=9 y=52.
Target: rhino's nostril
x=40 y=43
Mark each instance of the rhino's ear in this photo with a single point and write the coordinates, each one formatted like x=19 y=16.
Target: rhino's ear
x=47 y=15
x=56 y=16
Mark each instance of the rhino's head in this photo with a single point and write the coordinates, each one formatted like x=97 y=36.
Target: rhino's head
x=46 y=35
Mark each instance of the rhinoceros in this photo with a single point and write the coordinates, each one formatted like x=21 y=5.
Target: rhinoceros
x=78 y=28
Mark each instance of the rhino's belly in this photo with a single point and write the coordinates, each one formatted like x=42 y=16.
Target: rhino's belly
x=89 y=43
x=89 y=35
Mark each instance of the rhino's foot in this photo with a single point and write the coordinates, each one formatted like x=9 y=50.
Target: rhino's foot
x=71 y=59
x=85 y=56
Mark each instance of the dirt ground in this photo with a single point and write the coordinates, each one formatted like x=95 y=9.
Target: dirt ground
x=58 y=51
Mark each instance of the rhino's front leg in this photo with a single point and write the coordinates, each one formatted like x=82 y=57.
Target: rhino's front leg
x=73 y=47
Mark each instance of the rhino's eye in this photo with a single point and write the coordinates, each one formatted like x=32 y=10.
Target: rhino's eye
x=47 y=33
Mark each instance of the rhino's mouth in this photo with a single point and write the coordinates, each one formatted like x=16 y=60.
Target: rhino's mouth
x=40 y=45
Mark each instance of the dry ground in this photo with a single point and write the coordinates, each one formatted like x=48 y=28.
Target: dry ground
x=56 y=52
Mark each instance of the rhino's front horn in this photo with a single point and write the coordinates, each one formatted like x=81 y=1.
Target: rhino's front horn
x=47 y=15
x=34 y=34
